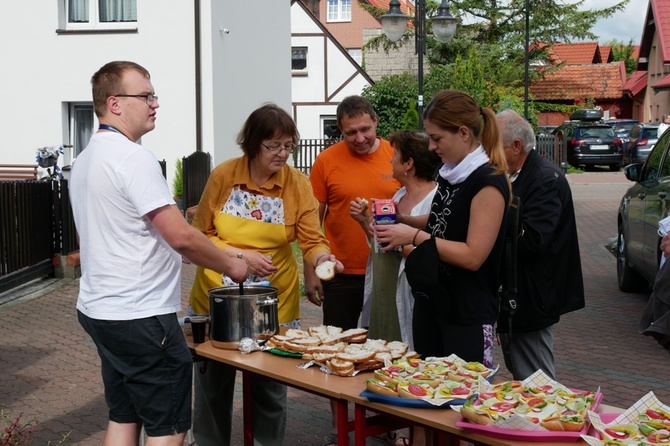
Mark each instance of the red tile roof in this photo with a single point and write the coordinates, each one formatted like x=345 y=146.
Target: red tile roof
x=577 y=53
x=661 y=10
x=599 y=81
x=406 y=7
x=636 y=83
x=606 y=54
x=663 y=84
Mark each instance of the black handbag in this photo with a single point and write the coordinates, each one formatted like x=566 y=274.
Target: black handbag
x=423 y=270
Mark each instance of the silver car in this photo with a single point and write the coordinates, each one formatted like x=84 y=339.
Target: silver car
x=643 y=138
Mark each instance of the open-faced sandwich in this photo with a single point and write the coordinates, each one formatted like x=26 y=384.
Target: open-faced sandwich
x=651 y=426
x=554 y=407
x=444 y=379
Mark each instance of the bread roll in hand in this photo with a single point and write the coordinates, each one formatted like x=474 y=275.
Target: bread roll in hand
x=326 y=270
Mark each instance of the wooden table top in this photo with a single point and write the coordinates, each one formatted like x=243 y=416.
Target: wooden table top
x=282 y=369
x=312 y=379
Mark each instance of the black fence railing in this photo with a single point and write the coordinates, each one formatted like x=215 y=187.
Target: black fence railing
x=304 y=157
x=547 y=145
x=68 y=232
x=28 y=231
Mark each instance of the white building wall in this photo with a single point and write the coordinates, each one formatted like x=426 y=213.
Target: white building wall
x=44 y=70
x=310 y=87
x=329 y=78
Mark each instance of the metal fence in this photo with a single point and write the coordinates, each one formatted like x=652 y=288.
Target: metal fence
x=304 y=157
x=547 y=145
x=26 y=231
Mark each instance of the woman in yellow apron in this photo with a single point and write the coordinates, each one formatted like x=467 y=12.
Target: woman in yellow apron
x=254 y=207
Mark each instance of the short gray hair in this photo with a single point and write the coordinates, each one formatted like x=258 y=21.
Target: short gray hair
x=513 y=125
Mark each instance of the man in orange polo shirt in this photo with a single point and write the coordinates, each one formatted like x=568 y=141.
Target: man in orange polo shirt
x=357 y=166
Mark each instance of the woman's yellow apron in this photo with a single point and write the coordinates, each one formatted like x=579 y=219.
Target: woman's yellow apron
x=270 y=240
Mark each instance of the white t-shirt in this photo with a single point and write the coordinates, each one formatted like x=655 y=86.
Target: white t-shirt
x=128 y=270
x=662 y=127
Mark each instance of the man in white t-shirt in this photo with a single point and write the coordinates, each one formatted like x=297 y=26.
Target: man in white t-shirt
x=132 y=237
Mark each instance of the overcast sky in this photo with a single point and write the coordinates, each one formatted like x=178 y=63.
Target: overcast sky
x=623 y=25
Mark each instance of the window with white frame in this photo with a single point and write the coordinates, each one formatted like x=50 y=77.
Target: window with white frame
x=339 y=11
x=299 y=60
x=99 y=14
x=357 y=55
x=81 y=126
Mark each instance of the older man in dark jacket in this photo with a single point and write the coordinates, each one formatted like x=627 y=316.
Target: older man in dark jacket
x=549 y=272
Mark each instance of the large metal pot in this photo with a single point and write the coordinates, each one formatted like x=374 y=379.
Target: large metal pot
x=234 y=316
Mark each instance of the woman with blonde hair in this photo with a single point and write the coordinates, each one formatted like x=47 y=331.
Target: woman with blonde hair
x=460 y=243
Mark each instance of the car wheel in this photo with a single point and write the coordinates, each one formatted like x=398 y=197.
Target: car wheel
x=628 y=279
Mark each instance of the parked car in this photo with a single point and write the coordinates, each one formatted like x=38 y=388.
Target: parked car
x=622 y=127
x=642 y=139
x=590 y=144
x=641 y=208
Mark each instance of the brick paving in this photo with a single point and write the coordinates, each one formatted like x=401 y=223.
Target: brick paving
x=49 y=369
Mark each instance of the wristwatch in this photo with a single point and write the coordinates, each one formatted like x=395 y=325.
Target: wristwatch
x=240 y=255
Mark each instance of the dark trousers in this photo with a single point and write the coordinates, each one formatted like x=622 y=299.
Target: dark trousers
x=343 y=300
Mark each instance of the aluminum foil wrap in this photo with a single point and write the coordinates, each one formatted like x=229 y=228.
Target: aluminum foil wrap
x=248 y=345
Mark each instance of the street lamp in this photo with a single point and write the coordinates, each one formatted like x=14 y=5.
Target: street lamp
x=444 y=26
x=526 y=62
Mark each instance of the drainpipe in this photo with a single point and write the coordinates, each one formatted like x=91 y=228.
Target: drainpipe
x=198 y=85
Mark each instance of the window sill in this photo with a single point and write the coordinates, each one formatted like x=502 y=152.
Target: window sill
x=97 y=31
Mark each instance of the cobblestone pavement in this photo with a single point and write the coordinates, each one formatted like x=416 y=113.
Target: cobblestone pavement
x=49 y=369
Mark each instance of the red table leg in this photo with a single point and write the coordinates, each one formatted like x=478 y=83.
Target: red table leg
x=342 y=422
x=360 y=427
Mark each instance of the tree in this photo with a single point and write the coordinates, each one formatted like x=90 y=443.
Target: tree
x=621 y=51
x=498 y=26
x=503 y=21
x=486 y=56
x=392 y=97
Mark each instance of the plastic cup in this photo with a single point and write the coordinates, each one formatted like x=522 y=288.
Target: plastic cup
x=198 y=328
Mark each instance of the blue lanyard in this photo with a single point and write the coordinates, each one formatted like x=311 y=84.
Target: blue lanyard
x=111 y=128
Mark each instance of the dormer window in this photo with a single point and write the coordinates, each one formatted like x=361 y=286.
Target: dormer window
x=339 y=11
